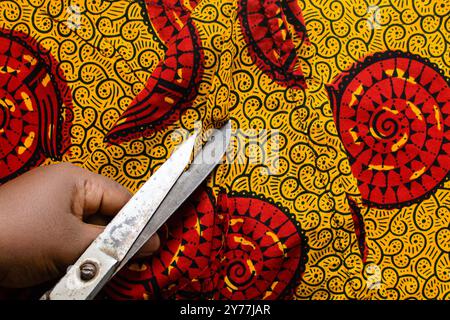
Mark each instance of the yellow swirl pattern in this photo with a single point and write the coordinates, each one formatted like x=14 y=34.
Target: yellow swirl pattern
x=108 y=51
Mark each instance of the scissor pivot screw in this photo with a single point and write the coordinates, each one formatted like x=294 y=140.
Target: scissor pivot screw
x=88 y=270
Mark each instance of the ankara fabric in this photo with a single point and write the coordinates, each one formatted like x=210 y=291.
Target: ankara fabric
x=336 y=183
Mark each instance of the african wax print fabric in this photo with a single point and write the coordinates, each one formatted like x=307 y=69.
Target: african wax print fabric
x=336 y=182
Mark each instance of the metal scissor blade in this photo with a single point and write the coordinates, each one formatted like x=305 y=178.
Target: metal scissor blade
x=120 y=235
x=111 y=246
x=204 y=162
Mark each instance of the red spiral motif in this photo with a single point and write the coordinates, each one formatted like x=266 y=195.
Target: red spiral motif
x=392 y=113
x=32 y=104
x=262 y=253
x=238 y=248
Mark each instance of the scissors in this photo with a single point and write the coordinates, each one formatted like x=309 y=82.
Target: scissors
x=141 y=217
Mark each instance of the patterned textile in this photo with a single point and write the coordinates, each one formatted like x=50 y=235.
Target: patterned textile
x=336 y=182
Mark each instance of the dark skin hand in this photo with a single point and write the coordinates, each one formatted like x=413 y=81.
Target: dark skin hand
x=49 y=216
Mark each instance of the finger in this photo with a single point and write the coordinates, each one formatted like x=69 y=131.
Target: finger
x=97 y=219
x=81 y=236
x=98 y=194
x=150 y=247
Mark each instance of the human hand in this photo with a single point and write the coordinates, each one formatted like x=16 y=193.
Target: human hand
x=46 y=221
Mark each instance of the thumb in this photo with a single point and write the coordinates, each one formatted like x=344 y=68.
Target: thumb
x=95 y=196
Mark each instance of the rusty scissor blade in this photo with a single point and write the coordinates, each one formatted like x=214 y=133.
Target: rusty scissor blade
x=203 y=164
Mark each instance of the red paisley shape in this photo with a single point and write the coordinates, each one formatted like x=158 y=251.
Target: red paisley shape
x=360 y=230
x=264 y=25
x=170 y=89
x=294 y=16
x=168 y=17
x=33 y=100
x=239 y=248
x=392 y=113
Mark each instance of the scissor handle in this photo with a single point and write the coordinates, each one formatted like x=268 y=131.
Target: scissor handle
x=86 y=277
